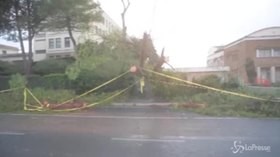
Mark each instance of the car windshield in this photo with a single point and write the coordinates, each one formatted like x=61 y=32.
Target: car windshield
x=139 y=78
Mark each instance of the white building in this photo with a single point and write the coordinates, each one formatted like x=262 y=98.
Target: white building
x=59 y=45
x=9 y=53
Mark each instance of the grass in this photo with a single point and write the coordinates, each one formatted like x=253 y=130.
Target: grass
x=219 y=104
x=13 y=101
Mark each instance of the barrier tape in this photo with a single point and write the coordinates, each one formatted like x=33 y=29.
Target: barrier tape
x=207 y=87
x=9 y=90
x=24 y=99
x=40 y=108
x=25 y=105
x=37 y=108
x=94 y=89
x=37 y=100
x=94 y=104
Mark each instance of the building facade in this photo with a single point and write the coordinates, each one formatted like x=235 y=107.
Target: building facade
x=48 y=45
x=10 y=53
x=262 y=46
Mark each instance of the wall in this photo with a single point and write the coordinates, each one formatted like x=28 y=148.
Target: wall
x=197 y=75
x=235 y=56
x=12 y=54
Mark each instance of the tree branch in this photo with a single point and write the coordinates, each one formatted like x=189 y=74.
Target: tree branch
x=125 y=8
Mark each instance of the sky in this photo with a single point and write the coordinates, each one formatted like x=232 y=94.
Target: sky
x=189 y=28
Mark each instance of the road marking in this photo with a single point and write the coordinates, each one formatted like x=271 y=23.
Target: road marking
x=217 y=118
x=135 y=117
x=147 y=140
x=100 y=117
x=12 y=133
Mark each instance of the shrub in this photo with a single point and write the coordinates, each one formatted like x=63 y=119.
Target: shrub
x=17 y=80
x=50 y=66
x=53 y=81
x=53 y=96
x=168 y=89
x=7 y=68
x=4 y=82
x=231 y=83
x=210 y=80
x=11 y=101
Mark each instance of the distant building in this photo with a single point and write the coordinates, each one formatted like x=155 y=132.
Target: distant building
x=262 y=46
x=201 y=72
x=59 y=45
x=9 y=53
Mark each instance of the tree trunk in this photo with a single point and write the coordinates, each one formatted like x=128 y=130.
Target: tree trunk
x=69 y=29
x=29 y=29
x=16 y=5
x=125 y=7
x=123 y=25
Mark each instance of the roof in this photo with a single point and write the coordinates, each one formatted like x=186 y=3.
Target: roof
x=15 y=55
x=265 y=33
x=8 y=47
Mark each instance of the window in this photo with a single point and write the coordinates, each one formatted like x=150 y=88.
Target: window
x=58 y=43
x=264 y=53
x=40 y=51
x=276 y=52
x=4 y=52
x=51 y=43
x=67 y=42
x=265 y=73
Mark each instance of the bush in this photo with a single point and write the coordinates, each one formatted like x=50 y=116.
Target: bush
x=231 y=83
x=53 y=96
x=276 y=84
x=228 y=105
x=50 y=66
x=17 y=81
x=7 y=68
x=210 y=80
x=168 y=89
x=53 y=81
x=4 y=82
x=11 y=101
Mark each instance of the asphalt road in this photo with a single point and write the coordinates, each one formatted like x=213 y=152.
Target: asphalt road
x=136 y=132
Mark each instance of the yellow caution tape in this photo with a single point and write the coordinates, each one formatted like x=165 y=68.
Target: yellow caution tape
x=25 y=105
x=94 y=89
x=93 y=104
x=24 y=99
x=36 y=99
x=176 y=84
x=37 y=108
x=142 y=84
x=9 y=90
x=206 y=87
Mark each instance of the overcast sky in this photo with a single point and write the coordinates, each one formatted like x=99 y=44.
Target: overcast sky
x=188 y=28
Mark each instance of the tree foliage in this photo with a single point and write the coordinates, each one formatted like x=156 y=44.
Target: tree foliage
x=73 y=15
x=22 y=19
x=250 y=70
x=106 y=59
